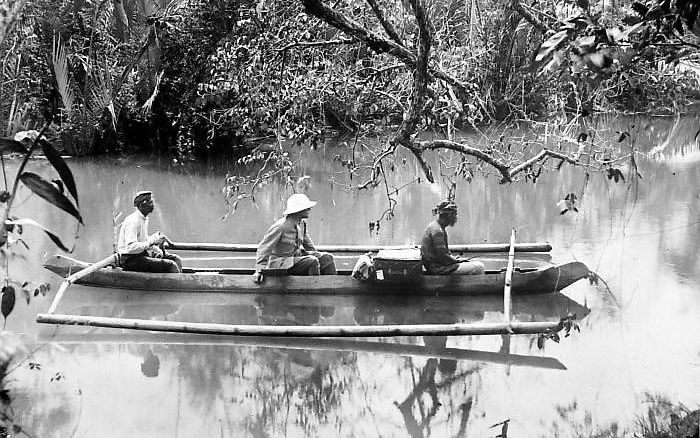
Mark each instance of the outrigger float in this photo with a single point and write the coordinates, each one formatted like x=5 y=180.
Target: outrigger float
x=521 y=280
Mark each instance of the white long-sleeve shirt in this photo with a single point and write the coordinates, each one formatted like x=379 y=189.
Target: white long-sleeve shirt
x=133 y=234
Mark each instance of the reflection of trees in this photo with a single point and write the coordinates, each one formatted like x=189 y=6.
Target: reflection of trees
x=661 y=419
x=682 y=255
x=424 y=399
x=284 y=389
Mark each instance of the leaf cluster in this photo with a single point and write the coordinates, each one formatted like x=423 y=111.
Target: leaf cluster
x=52 y=192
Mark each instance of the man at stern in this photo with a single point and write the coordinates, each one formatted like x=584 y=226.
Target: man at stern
x=137 y=250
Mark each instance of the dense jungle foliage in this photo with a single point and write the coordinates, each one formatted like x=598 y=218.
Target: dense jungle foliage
x=206 y=76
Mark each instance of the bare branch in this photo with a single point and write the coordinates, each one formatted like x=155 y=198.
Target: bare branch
x=386 y=24
x=502 y=167
x=541 y=156
x=418 y=153
x=376 y=167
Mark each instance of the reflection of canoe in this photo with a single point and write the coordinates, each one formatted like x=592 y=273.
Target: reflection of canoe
x=536 y=280
x=348 y=309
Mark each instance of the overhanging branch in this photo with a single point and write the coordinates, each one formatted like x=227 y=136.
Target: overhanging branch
x=376 y=42
x=502 y=167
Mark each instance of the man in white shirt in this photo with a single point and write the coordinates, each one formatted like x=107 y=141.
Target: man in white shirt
x=138 y=251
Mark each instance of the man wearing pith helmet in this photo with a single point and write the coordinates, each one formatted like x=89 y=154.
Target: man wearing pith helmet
x=435 y=251
x=287 y=244
x=137 y=250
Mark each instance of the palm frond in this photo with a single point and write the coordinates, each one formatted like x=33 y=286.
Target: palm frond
x=146 y=108
x=99 y=96
x=59 y=59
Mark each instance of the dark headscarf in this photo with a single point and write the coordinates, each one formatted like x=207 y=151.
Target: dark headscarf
x=445 y=207
x=141 y=197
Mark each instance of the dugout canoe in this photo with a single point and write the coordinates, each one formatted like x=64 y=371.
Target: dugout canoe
x=544 y=279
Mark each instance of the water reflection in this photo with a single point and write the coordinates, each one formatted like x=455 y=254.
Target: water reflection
x=150 y=364
x=263 y=376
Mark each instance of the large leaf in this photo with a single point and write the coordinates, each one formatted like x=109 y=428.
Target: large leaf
x=61 y=167
x=49 y=192
x=551 y=45
x=54 y=238
x=8 y=300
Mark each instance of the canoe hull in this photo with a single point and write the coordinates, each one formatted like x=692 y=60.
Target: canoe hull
x=545 y=280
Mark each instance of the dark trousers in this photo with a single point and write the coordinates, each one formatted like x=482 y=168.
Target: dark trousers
x=143 y=263
x=315 y=263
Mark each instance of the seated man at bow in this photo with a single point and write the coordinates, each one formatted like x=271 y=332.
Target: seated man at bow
x=287 y=244
x=137 y=250
x=435 y=252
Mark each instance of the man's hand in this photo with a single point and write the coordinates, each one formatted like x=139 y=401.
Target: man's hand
x=156 y=238
x=168 y=242
x=257 y=277
x=154 y=251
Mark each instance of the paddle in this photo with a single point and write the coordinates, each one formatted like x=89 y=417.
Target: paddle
x=78 y=275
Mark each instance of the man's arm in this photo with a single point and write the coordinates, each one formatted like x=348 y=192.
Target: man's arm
x=131 y=243
x=442 y=252
x=267 y=245
x=265 y=248
x=308 y=243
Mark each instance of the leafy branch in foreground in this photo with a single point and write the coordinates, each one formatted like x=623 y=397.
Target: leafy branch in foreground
x=49 y=191
x=12 y=227
x=11 y=231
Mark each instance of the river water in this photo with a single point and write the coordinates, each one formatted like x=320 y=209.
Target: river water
x=637 y=350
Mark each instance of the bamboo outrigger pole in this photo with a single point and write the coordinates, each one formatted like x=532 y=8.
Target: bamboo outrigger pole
x=77 y=276
x=507 y=302
x=460 y=329
x=251 y=247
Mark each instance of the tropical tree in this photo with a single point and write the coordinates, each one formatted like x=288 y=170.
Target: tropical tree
x=421 y=44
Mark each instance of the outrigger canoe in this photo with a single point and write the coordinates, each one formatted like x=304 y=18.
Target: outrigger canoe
x=545 y=279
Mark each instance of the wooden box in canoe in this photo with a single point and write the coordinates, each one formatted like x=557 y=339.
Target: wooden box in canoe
x=545 y=279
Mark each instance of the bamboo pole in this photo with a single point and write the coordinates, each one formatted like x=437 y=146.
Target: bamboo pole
x=476 y=247
x=507 y=302
x=493 y=328
x=77 y=276
x=239 y=258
